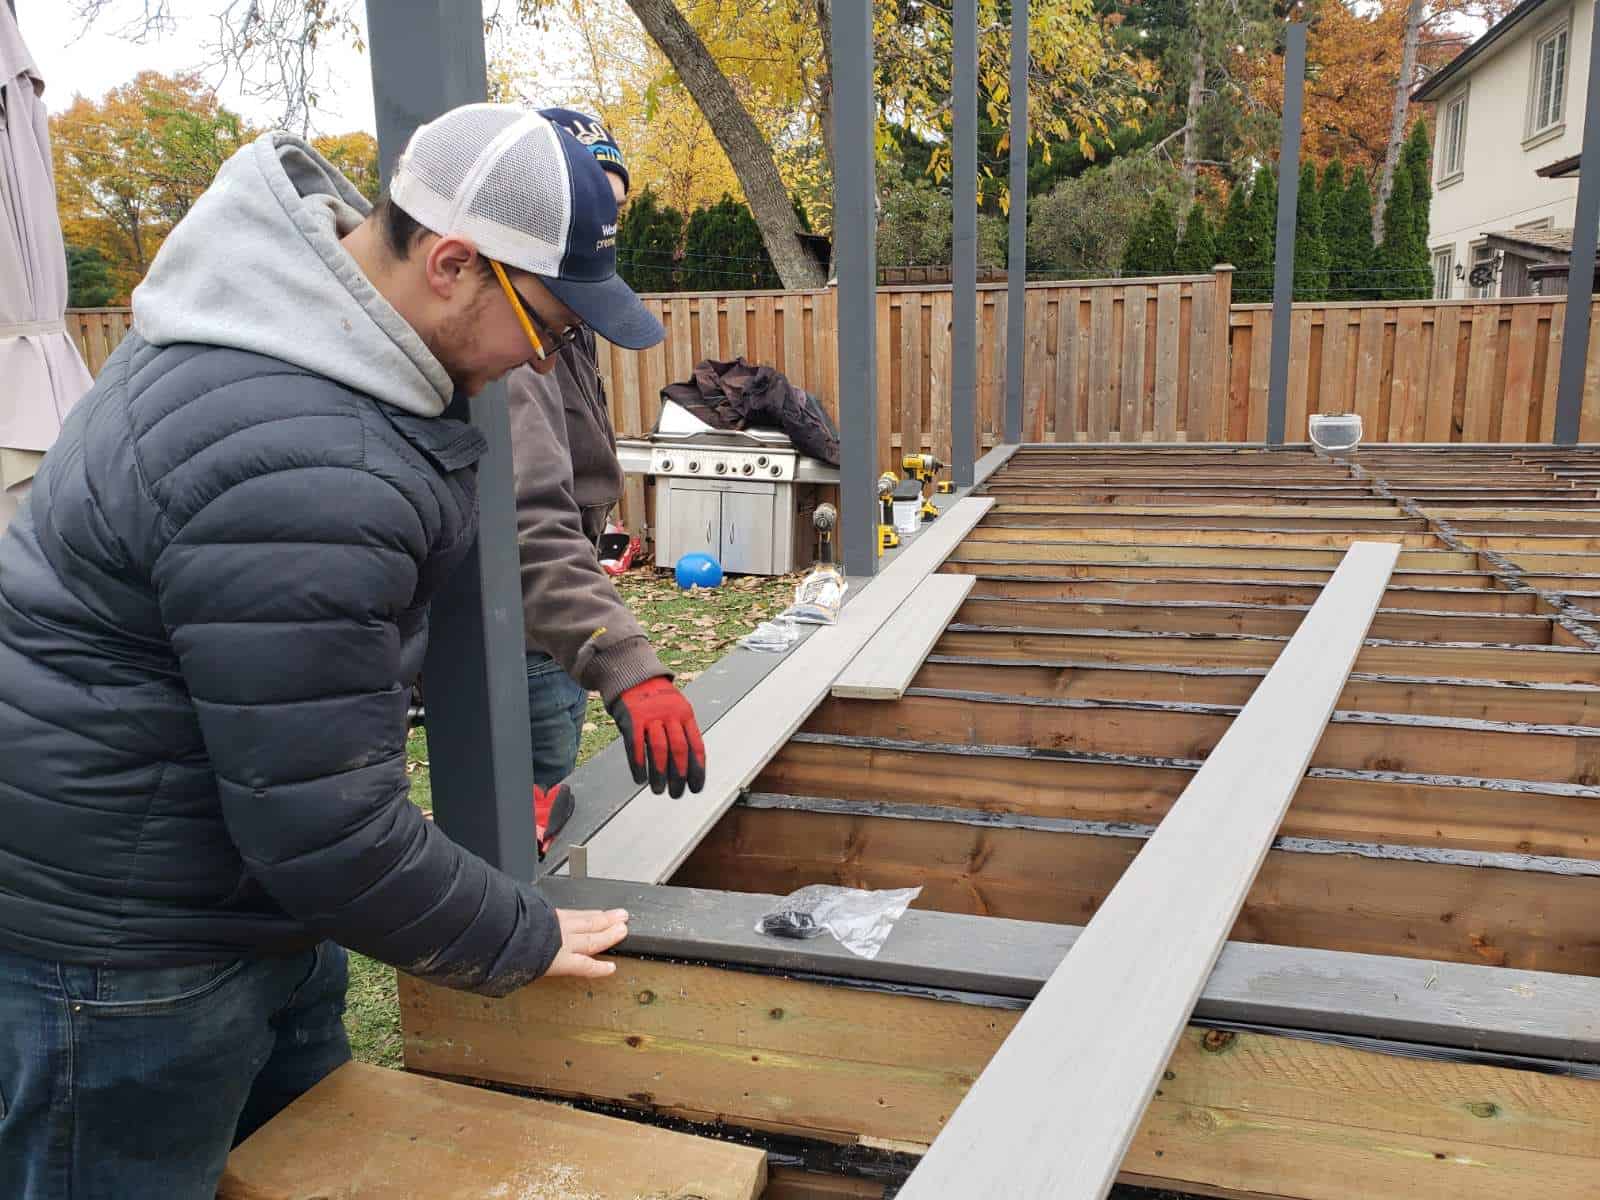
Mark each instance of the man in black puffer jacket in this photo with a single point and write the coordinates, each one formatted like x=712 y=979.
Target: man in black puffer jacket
x=210 y=615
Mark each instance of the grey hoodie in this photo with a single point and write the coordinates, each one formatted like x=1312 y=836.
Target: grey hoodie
x=251 y=266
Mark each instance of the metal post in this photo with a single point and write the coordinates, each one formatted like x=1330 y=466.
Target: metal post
x=964 y=250
x=1294 y=86
x=855 y=252
x=1017 y=256
x=1580 y=269
x=428 y=57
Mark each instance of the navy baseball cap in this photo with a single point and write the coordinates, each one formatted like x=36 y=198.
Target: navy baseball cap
x=530 y=195
x=589 y=131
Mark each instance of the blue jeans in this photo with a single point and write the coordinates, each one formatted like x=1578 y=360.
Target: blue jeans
x=134 y=1084
x=556 y=704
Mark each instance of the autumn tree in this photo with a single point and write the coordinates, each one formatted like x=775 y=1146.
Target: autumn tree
x=356 y=156
x=129 y=166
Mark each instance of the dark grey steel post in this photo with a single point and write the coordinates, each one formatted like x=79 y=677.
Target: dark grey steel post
x=855 y=238
x=1017 y=255
x=964 y=250
x=1294 y=86
x=428 y=57
x=1580 y=270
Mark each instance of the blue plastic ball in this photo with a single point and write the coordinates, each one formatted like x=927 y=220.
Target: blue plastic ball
x=698 y=570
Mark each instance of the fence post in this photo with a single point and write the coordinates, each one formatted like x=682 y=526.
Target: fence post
x=1217 y=412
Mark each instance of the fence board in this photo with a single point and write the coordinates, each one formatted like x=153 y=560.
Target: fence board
x=1518 y=402
x=1438 y=424
x=1102 y=399
x=1369 y=393
x=1168 y=302
x=911 y=374
x=1410 y=378
x=1480 y=373
x=1132 y=362
x=1066 y=385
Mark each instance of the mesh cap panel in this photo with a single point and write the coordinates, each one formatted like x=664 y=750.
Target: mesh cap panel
x=442 y=153
x=526 y=189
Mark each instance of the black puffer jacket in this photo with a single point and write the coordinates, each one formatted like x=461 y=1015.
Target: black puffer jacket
x=207 y=628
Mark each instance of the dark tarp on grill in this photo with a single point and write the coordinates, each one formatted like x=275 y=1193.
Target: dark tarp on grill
x=736 y=395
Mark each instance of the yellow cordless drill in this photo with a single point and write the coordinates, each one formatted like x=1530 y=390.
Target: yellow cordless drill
x=923 y=468
x=887 y=537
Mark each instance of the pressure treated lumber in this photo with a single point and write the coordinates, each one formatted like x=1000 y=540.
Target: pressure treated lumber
x=884 y=667
x=1242 y=1110
x=1498 y=816
x=652 y=834
x=365 y=1133
x=1129 y=984
x=1414 y=695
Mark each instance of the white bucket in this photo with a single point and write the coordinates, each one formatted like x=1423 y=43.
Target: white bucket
x=907 y=516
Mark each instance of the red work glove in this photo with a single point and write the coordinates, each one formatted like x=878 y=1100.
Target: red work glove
x=551 y=811
x=661 y=735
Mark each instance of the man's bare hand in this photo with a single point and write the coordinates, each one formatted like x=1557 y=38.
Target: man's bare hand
x=585 y=933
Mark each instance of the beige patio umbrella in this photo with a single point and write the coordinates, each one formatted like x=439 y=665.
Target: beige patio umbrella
x=41 y=373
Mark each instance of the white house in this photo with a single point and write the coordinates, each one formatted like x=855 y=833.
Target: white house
x=1508 y=106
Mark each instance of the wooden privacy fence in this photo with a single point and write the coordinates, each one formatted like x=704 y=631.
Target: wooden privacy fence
x=97 y=332
x=1116 y=360
x=1105 y=359
x=1416 y=370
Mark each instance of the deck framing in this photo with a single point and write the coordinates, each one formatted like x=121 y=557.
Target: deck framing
x=1420 y=930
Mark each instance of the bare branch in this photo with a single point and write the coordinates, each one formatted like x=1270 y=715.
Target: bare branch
x=155 y=21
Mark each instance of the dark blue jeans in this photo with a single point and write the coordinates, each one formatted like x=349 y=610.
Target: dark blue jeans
x=134 y=1084
x=556 y=704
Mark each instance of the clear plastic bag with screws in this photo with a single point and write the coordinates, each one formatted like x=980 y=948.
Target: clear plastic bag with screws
x=860 y=920
x=777 y=636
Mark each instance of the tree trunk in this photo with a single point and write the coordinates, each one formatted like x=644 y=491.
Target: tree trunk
x=1397 y=123
x=1191 y=134
x=746 y=149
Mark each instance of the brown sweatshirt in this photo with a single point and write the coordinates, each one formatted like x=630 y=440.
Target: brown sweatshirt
x=568 y=480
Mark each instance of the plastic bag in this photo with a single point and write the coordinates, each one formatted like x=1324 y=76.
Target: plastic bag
x=861 y=921
x=819 y=596
x=772 y=637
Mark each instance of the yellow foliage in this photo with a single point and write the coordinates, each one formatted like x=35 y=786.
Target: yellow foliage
x=129 y=166
x=356 y=156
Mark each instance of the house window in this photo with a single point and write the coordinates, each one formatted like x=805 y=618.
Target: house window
x=1453 y=139
x=1549 y=96
x=1483 y=255
x=1444 y=266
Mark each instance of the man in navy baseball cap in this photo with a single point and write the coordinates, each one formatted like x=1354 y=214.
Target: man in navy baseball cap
x=591 y=133
x=527 y=194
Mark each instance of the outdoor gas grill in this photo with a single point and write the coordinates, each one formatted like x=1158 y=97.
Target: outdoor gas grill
x=743 y=497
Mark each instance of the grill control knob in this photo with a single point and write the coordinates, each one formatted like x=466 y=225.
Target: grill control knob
x=666 y=464
x=722 y=468
x=776 y=469
x=762 y=461
x=747 y=469
x=694 y=464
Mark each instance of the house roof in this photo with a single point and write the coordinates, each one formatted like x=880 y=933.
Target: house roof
x=1562 y=168
x=1436 y=84
x=1553 y=242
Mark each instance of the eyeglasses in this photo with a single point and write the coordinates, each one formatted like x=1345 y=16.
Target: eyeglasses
x=527 y=317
